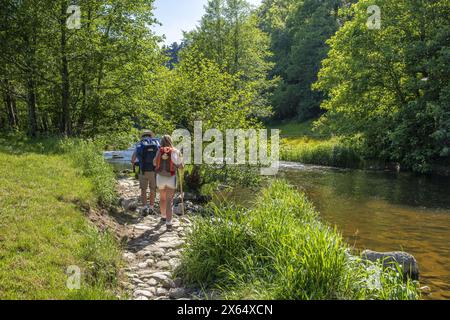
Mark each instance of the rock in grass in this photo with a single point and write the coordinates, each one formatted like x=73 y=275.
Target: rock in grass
x=177 y=293
x=408 y=263
x=168 y=284
x=161 y=292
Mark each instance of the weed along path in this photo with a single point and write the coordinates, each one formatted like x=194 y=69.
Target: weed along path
x=152 y=253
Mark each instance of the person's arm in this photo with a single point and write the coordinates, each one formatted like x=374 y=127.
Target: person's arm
x=133 y=157
x=179 y=159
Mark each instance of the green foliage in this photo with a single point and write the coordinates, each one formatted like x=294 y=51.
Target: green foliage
x=391 y=86
x=103 y=256
x=214 y=178
x=293 y=129
x=299 y=30
x=333 y=153
x=229 y=36
x=78 y=81
x=302 y=142
x=87 y=156
x=280 y=250
x=198 y=90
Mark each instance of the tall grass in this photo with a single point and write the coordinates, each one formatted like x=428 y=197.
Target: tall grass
x=302 y=143
x=330 y=152
x=281 y=250
x=87 y=156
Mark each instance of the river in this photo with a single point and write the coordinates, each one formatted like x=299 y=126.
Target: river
x=383 y=211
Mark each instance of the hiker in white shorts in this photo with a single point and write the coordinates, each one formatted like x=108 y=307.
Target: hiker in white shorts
x=167 y=161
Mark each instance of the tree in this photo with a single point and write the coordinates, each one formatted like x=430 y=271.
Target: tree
x=229 y=35
x=299 y=32
x=173 y=52
x=390 y=86
x=83 y=81
x=198 y=90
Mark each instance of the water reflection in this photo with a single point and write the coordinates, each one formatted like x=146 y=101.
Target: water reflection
x=385 y=212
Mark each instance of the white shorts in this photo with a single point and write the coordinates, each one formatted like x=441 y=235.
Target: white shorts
x=163 y=182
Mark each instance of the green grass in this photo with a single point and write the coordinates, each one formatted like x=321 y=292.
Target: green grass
x=280 y=249
x=295 y=130
x=42 y=229
x=300 y=143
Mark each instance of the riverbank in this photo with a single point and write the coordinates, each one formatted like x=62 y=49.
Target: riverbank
x=47 y=193
x=280 y=249
x=300 y=143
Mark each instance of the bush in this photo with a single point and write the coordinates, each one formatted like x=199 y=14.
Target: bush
x=280 y=250
x=87 y=155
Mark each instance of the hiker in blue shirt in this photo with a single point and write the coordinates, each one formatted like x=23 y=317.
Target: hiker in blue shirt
x=144 y=154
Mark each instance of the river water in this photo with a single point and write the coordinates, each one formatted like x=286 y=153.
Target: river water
x=383 y=211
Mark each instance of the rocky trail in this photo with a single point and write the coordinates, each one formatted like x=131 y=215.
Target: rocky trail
x=152 y=253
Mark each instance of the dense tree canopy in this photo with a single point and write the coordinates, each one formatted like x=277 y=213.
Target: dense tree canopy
x=70 y=80
x=391 y=86
x=299 y=31
x=229 y=35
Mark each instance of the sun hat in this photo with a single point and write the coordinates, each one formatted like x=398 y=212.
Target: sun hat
x=147 y=133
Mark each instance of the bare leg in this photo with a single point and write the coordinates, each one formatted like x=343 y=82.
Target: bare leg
x=170 y=193
x=162 y=202
x=152 y=185
x=144 y=196
x=152 y=197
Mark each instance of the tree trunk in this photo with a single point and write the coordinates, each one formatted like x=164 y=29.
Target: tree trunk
x=84 y=87
x=65 y=84
x=31 y=103
x=31 y=87
x=100 y=76
x=10 y=105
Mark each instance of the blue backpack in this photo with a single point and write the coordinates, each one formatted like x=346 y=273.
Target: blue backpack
x=146 y=152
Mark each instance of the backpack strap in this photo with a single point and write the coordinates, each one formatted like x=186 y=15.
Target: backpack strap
x=158 y=160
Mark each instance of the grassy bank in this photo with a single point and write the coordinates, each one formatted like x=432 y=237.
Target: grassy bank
x=281 y=250
x=301 y=144
x=43 y=231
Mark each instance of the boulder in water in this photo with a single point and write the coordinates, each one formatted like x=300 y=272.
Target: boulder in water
x=408 y=263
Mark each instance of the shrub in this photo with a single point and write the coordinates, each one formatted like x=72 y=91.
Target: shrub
x=87 y=155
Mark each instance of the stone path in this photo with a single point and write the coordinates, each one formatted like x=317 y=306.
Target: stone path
x=152 y=253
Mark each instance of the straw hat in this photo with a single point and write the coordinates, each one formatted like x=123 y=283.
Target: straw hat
x=147 y=133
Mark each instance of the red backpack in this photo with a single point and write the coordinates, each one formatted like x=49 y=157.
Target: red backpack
x=164 y=162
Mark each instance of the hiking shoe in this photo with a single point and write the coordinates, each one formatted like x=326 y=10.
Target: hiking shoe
x=145 y=211
x=169 y=225
x=163 y=220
